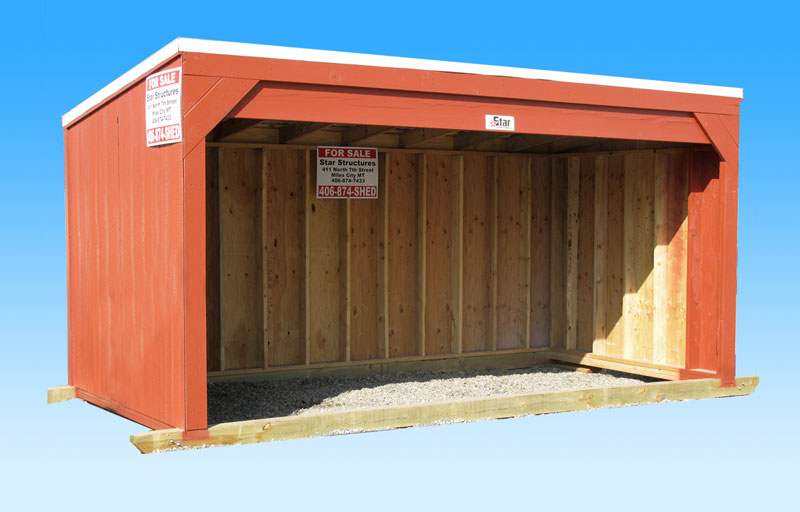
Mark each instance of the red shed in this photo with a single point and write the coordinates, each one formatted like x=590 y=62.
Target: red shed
x=513 y=216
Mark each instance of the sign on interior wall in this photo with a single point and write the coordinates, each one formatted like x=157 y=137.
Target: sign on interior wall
x=347 y=173
x=162 y=107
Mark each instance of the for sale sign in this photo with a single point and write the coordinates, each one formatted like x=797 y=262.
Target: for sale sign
x=162 y=107
x=347 y=173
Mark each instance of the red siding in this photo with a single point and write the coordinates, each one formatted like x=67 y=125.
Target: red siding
x=705 y=263
x=125 y=265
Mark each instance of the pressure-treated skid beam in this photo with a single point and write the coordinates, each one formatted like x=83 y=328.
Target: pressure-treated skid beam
x=459 y=411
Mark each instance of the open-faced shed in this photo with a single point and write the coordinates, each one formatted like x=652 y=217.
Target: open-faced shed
x=594 y=222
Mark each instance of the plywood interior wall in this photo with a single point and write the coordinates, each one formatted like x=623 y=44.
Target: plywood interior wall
x=461 y=253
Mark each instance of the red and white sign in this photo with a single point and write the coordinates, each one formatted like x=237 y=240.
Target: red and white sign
x=162 y=107
x=502 y=123
x=347 y=173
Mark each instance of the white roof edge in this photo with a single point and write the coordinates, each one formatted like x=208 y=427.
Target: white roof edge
x=161 y=56
x=361 y=59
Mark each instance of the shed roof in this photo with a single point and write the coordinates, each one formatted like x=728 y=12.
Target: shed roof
x=333 y=57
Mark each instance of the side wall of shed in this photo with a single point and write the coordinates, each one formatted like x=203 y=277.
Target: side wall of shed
x=125 y=264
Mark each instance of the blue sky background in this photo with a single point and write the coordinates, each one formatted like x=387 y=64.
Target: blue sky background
x=731 y=453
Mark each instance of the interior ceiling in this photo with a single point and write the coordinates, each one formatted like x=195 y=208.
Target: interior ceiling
x=312 y=134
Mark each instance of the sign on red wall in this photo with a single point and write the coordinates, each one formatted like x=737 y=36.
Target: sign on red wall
x=162 y=107
x=347 y=173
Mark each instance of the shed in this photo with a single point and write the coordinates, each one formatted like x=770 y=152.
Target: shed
x=519 y=216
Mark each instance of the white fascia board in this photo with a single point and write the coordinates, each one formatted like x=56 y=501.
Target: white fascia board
x=360 y=59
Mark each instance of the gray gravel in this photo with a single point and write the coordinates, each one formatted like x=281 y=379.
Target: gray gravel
x=237 y=401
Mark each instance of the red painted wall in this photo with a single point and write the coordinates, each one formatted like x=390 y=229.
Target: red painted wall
x=125 y=264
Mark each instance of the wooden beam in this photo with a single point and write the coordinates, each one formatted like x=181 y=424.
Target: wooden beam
x=658 y=371
x=517 y=358
x=348 y=303
x=264 y=254
x=60 y=394
x=383 y=275
x=208 y=112
x=295 y=131
x=459 y=246
x=526 y=215
x=422 y=195
x=309 y=194
x=600 y=252
x=470 y=140
x=419 y=136
x=231 y=127
x=573 y=226
x=357 y=134
x=493 y=219
x=471 y=409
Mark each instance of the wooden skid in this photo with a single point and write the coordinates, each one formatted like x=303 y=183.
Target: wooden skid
x=475 y=409
x=60 y=394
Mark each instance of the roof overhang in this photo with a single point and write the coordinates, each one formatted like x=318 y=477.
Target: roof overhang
x=181 y=45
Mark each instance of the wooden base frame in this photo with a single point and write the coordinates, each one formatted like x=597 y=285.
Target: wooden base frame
x=475 y=409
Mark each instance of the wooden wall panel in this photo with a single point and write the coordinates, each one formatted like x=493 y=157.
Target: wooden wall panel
x=286 y=191
x=705 y=254
x=125 y=247
x=677 y=221
x=462 y=253
x=327 y=276
x=513 y=263
x=241 y=286
x=541 y=195
x=366 y=265
x=479 y=215
x=615 y=250
x=441 y=254
x=644 y=256
x=402 y=180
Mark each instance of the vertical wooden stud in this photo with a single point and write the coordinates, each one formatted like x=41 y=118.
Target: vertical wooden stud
x=630 y=285
x=421 y=244
x=383 y=247
x=573 y=225
x=586 y=246
x=493 y=218
x=525 y=218
x=348 y=306
x=221 y=259
x=264 y=256
x=600 y=254
x=541 y=212
x=459 y=248
x=309 y=193
x=645 y=243
x=660 y=266
x=558 y=244
x=615 y=261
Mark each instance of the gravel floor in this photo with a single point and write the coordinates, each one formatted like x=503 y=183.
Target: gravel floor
x=236 y=401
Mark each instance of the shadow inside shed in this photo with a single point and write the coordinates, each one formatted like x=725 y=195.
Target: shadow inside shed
x=480 y=243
